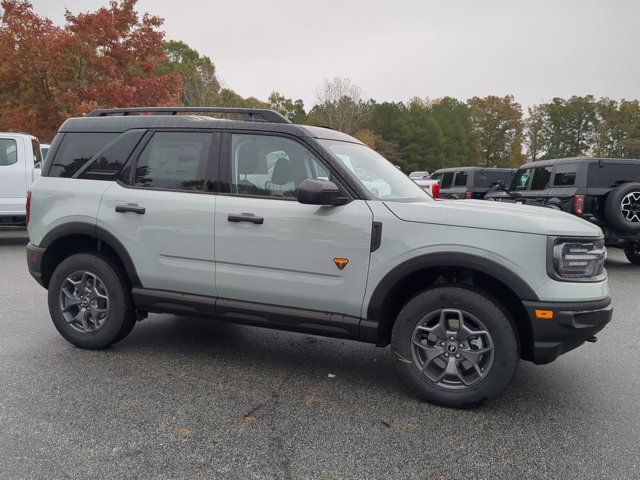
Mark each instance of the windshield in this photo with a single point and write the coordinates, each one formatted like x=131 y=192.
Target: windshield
x=376 y=173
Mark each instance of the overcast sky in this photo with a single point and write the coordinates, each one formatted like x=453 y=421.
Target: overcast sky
x=395 y=50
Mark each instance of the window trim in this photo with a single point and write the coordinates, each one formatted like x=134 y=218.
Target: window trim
x=225 y=164
x=126 y=177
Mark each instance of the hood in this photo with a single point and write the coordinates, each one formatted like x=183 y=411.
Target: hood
x=508 y=217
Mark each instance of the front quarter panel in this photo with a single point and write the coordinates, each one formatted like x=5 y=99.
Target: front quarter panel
x=524 y=254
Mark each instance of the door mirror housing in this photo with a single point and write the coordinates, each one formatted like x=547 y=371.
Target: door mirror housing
x=320 y=192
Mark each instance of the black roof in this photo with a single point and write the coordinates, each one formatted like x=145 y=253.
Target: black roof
x=97 y=122
x=472 y=169
x=553 y=161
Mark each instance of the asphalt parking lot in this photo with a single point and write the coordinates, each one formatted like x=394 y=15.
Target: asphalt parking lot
x=191 y=398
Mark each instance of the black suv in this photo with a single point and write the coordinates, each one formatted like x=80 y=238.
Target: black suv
x=604 y=191
x=470 y=182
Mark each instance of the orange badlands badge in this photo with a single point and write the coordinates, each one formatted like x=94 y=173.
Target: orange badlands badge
x=341 y=262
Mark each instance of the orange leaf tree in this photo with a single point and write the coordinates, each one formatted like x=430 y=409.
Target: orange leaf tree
x=106 y=58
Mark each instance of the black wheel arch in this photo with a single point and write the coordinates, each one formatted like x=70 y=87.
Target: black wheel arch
x=415 y=275
x=75 y=237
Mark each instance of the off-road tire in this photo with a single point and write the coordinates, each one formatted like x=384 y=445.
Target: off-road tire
x=501 y=329
x=120 y=318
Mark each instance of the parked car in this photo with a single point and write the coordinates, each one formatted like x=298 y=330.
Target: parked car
x=418 y=175
x=603 y=191
x=20 y=161
x=277 y=225
x=470 y=182
x=432 y=187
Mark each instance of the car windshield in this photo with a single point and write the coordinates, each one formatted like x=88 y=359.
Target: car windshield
x=376 y=173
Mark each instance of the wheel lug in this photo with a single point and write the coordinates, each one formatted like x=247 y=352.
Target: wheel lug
x=446 y=355
x=442 y=344
x=452 y=338
x=460 y=345
x=457 y=355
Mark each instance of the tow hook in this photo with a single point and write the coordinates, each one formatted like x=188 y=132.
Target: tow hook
x=593 y=339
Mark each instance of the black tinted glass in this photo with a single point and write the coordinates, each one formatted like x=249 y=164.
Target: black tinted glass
x=565 y=175
x=174 y=161
x=461 y=179
x=112 y=158
x=486 y=178
x=612 y=174
x=447 y=180
x=541 y=176
x=75 y=150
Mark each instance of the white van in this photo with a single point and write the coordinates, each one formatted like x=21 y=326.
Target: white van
x=20 y=164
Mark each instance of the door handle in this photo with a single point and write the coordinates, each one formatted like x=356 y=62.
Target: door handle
x=130 y=208
x=245 y=217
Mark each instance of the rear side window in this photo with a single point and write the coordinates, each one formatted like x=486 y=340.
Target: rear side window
x=486 y=178
x=75 y=150
x=612 y=174
x=565 y=175
x=8 y=152
x=107 y=163
x=174 y=161
x=461 y=179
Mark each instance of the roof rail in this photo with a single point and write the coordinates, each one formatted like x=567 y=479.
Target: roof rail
x=251 y=114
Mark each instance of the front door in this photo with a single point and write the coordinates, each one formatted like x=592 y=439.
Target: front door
x=164 y=217
x=272 y=250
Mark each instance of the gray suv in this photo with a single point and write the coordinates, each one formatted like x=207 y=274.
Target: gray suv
x=254 y=220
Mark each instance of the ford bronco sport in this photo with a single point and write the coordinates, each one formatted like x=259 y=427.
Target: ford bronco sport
x=262 y=222
x=603 y=191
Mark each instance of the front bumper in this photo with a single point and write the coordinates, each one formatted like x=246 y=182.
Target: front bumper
x=34 y=262
x=572 y=324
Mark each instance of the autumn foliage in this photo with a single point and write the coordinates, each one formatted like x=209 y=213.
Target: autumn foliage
x=106 y=58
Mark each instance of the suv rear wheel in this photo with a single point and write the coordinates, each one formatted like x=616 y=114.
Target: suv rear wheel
x=90 y=302
x=622 y=207
x=455 y=346
x=632 y=251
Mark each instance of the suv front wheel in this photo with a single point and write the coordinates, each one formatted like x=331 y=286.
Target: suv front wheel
x=455 y=346
x=90 y=302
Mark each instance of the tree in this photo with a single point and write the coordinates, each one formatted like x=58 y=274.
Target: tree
x=200 y=86
x=565 y=128
x=339 y=105
x=618 y=130
x=293 y=110
x=499 y=125
x=106 y=58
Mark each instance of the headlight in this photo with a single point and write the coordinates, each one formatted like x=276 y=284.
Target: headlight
x=576 y=259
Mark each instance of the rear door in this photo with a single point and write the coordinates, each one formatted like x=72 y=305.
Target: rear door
x=163 y=213
x=272 y=250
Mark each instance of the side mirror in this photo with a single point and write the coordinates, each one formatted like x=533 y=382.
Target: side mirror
x=320 y=192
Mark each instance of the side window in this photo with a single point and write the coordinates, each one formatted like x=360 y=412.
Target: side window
x=612 y=174
x=541 y=176
x=447 y=180
x=37 y=154
x=565 y=175
x=461 y=179
x=8 y=152
x=521 y=179
x=75 y=150
x=174 y=161
x=271 y=166
x=109 y=161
